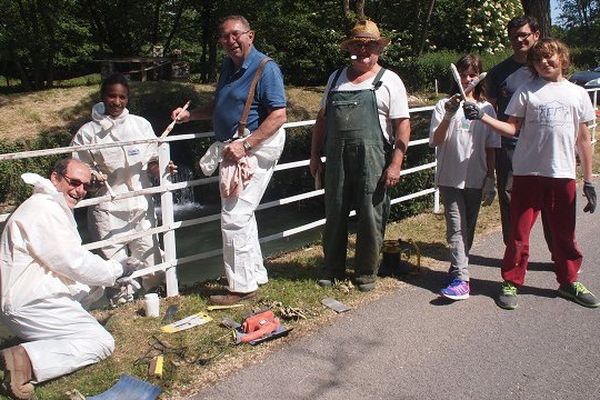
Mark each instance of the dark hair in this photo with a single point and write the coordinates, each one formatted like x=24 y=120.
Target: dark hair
x=464 y=63
x=114 y=79
x=239 y=18
x=523 y=20
x=60 y=167
x=545 y=48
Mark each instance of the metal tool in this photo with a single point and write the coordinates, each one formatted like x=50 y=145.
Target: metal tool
x=456 y=77
x=473 y=84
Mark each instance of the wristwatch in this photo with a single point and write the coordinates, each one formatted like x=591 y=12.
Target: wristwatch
x=247 y=145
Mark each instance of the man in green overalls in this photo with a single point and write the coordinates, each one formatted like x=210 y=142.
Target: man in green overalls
x=364 y=127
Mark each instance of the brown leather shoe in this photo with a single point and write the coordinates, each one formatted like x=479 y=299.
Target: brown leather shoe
x=230 y=298
x=17 y=372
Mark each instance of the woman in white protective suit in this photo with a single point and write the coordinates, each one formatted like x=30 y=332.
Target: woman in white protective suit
x=124 y=169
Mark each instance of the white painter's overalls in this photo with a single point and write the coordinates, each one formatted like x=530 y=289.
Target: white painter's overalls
x=127 y=170
x=242 y=256
x=46 y=275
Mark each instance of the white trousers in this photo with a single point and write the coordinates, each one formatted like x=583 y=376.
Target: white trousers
x=242 y=257
x=61 y=336
x=103 y=224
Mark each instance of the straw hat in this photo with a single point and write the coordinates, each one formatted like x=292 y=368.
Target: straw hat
x=364 y=31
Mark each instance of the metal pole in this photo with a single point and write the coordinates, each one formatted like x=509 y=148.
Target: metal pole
x=168 y=217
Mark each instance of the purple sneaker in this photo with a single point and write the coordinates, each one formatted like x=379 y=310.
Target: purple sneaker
x=456 y=290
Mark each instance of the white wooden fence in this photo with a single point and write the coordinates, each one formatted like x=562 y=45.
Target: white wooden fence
x=166 y=187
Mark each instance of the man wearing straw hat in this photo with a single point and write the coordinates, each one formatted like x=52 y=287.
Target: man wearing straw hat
x=363 y=129
x=248 y=132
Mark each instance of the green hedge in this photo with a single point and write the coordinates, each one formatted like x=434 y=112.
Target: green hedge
x=420 y=73
x=585 y=58
x=12 y=187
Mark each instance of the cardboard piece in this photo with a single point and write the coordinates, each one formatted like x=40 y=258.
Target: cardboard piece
x=187 y=323
x=335 y=305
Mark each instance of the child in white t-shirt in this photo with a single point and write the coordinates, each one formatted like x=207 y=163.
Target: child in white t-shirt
x=465 y=171
x=550 y=115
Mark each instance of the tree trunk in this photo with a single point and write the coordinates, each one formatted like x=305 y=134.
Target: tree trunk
x=425 y=28
x=156 y=22
x=175 y=27
x=540 y=9
x=360 y=9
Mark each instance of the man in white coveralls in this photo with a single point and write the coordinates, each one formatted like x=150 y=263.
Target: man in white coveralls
x=46 y=277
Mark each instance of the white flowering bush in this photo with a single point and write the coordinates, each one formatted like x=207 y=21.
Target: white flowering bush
x=486 y=24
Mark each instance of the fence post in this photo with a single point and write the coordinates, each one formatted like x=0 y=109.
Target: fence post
x=168 y=217
x=436 y=194
x=595 y=116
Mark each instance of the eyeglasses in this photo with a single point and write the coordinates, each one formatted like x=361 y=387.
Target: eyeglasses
x=370 y=45
x=520 y=37
x=224 y=37
x=75 y=183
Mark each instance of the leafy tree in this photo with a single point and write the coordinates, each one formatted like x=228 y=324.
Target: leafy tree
x=39 y=37
x=580 y=20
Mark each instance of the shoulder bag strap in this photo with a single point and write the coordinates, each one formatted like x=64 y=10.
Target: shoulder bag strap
x=257 y=75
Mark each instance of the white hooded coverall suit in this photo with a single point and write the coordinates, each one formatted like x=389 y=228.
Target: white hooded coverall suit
x=127 y=170
x=45 y=276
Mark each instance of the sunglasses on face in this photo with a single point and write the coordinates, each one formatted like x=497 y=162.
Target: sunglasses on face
x=75 y=183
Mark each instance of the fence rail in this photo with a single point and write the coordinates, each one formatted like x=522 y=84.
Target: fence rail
x=168 y=225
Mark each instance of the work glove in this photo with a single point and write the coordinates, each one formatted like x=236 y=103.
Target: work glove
x=488 y=191
x=451 y=106
x=125 y=287
x=472 y=111
x=99 y=176
x=590 y=193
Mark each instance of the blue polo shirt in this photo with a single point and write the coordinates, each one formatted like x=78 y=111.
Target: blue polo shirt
x=232 y=91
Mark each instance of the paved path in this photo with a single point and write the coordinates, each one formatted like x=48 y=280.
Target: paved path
x=411 y=345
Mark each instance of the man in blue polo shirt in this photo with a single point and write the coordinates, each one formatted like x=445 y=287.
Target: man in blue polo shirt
x=242 y=256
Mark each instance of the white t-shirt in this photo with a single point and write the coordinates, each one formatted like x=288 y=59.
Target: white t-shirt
x=392 y=102
x=552 y=113
x=461 y=156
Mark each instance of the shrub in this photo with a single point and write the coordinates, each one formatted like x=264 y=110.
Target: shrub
x=585 y=58
x=12 y=187
x=420 y=73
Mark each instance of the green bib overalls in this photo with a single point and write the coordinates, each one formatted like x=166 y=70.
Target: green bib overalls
x=357 y=155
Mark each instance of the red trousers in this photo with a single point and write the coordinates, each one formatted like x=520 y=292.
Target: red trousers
x=531 y=194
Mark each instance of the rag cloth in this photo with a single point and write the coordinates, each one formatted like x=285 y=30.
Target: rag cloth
x=234 y=176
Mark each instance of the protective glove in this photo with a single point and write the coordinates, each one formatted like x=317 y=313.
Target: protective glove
x=130 y=265
x=488 y=191
x=123 y=292
x=451 y=106
x=99 y=176
x=472 y=111
x=590 y=193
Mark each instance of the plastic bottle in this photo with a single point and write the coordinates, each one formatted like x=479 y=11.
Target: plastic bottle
x=152 y=305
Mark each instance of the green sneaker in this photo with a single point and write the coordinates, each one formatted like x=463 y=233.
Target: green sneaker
x=508 y=296
x=579 y=294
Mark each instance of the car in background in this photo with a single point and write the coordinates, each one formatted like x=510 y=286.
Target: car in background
x=587 y=79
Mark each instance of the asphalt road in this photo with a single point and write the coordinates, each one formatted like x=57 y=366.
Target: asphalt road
x=411 y=345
